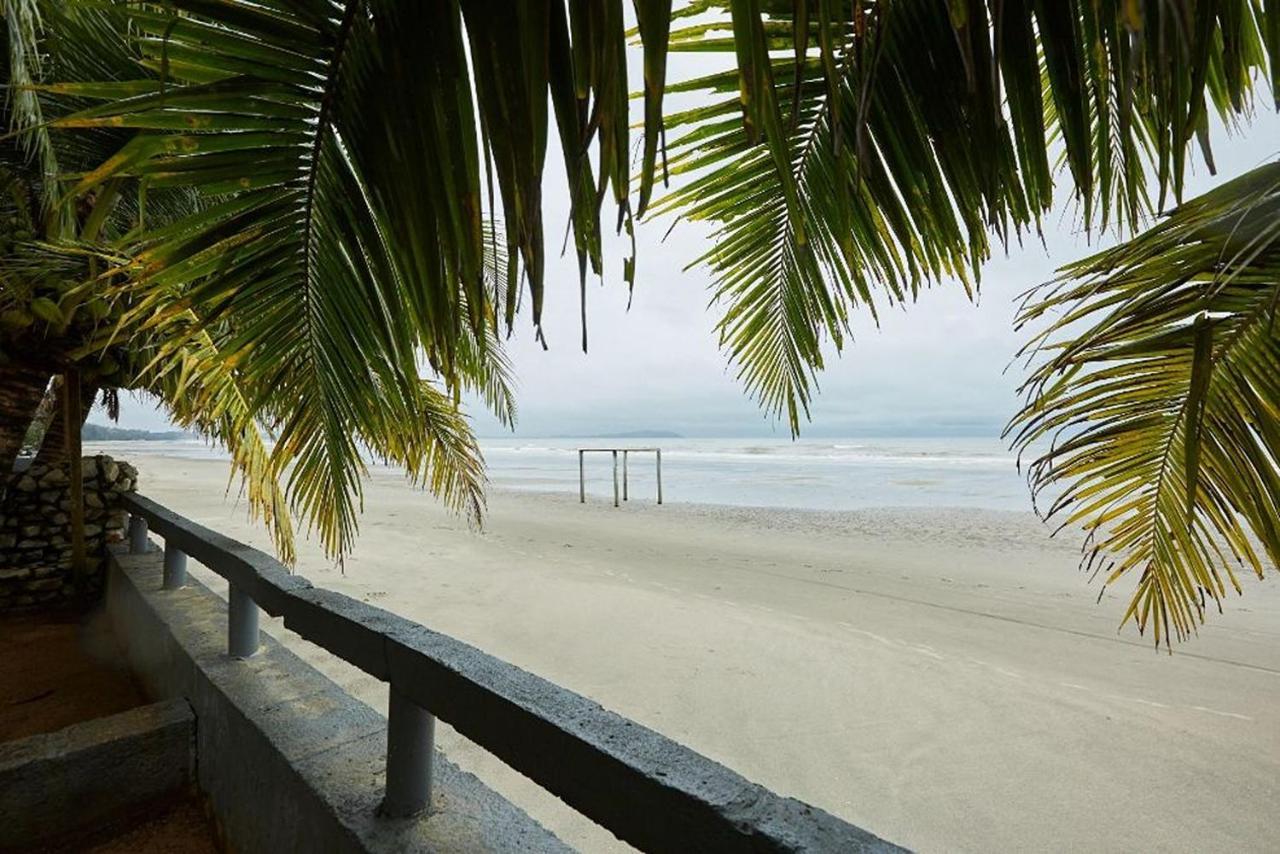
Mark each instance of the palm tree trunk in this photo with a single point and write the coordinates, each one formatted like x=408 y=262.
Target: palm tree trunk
x=53 y=448
x=21 y=390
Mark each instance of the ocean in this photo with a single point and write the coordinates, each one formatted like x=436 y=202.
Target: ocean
x=824 y=474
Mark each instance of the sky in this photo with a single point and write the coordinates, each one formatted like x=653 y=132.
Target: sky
x=941 y=366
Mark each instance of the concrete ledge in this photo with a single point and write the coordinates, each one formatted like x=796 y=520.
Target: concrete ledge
x=55 y=783
x=648 y=790
x=289 y=761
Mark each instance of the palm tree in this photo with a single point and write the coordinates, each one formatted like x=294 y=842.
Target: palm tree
x=847 y=155
x=55 y=318
x=64 y=306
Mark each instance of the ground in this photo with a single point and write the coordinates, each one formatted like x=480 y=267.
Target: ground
x=59 y=668
x=63 y=667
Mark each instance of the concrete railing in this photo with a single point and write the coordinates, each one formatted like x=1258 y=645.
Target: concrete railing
x=645 y=788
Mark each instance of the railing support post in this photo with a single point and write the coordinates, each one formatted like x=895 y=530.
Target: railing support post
x=615 y=478
x=582 y=480
x=242 y=623
x=659 y=475
x=624 y=475
x=137 y=534
x=410 y=750
x=175 y=567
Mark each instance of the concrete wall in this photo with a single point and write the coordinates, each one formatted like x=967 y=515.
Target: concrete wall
x=288 y=760
x=56 y=783
x=35 y=530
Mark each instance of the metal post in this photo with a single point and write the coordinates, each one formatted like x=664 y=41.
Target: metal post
x=242 y=624
x=659 y=475
x=615 y=478
x=410 y=749
x=175 y=567
x=624 y=475
x=582 y=480
x=137 y=534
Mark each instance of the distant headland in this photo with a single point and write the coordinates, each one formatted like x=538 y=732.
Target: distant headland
x=629 y=434
x=103 y=433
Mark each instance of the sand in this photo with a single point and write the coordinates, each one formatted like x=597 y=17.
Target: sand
x=58 y=668
x=943 y=678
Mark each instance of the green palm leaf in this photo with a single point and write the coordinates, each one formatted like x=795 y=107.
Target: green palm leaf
x=342 y=233
x=202 y=394
x=1153 y=414
x=307 y=262
x=914 y=133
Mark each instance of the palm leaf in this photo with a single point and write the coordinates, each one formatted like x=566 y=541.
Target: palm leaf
x=343 y=230
x=202 y=394
x=308 y=262
x=1153 y=413
x=915 y=134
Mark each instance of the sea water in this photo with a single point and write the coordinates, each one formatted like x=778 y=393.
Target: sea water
x=827 y=474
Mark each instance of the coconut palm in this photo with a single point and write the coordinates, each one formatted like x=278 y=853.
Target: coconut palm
x=52 y=308
x=847 y=155
x=64 y=305
x=933 y=133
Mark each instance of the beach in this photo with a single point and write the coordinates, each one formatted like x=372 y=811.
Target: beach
x=944 y=677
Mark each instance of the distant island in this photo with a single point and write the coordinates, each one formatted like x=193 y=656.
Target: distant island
x=633 y=434
x=103 y=433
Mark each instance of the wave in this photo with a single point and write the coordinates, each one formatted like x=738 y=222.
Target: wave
x=783 y=454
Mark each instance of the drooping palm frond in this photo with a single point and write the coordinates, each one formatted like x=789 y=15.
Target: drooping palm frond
x=22 y=61
x=1155 y=408
x=854 y=148
x=202 y=394
x=344 y=233
x=341 y=234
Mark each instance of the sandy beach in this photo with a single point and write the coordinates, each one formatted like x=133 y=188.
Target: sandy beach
x=944 y=678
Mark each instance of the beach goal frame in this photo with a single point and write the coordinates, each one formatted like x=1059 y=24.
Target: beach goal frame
x=626 y=452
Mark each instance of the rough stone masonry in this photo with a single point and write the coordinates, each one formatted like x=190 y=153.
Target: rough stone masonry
x=35 y=529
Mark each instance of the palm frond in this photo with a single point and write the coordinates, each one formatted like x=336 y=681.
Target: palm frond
x=202 y=394
x=851 y=153
x=343 y=231
x=22 y=69
x=1154 y=409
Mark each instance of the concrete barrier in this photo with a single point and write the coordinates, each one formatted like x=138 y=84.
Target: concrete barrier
x=288 y=760
x=56 y=783
x=647 y=789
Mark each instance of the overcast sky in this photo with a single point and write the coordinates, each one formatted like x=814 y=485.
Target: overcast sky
x=935 y=368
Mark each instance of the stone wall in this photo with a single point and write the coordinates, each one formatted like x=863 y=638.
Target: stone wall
x=35 y=530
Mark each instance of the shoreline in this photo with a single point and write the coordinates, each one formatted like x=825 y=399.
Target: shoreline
x=943 y=678
x=124 y=450
x=823 y=476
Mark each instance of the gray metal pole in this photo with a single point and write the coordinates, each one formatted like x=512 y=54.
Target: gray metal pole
x=582 y=480
x=410 y=750
x=242 y=623
x=175 y=567
x=624 y=475
x=659 y=475
x=137 y=534
x=615 y=478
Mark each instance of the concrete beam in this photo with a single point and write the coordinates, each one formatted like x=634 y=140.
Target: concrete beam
x=288 y=760
x=56 y=783
x=647 y=789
